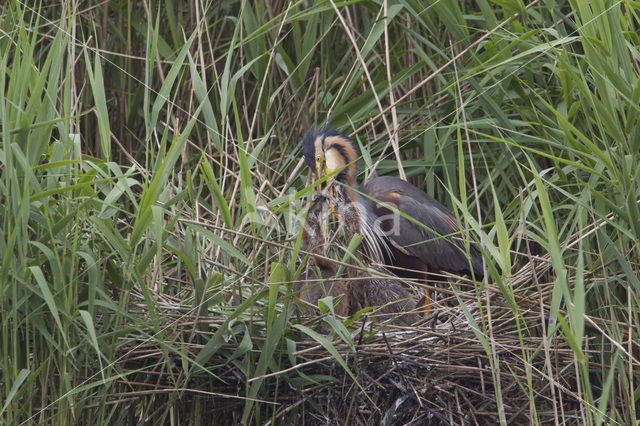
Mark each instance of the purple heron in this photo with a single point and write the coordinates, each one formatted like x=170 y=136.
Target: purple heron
x=408 y=231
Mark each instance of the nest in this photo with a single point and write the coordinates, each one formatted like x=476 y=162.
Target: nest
x=437 y=372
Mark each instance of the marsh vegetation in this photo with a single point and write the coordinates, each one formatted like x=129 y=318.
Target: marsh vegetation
x=152 y=186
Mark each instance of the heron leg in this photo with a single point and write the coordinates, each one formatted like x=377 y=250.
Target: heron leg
x=425 y=304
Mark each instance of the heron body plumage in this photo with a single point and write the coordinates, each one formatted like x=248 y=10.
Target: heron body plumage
x=360 y=289
x=438 y=243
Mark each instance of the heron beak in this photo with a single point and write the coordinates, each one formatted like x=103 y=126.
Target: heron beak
x=320 y=171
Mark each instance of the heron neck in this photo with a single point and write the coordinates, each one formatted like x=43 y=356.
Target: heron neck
x=349 y=183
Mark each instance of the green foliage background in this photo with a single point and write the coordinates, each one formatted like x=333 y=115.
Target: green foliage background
x=140 y=142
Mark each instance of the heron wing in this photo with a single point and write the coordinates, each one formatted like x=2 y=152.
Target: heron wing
x=438 y=242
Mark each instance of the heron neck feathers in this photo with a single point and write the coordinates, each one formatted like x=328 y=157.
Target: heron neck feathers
x=339 y=152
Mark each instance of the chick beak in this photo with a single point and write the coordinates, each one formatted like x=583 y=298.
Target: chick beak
x=321 y=169
x=332 y=206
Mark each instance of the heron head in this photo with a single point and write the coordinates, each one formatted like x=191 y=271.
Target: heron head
x=330 y=153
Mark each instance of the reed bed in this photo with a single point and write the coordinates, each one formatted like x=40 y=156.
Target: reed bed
x=152 y=189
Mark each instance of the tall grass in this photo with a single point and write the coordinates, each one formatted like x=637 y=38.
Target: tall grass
x=151 y=183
